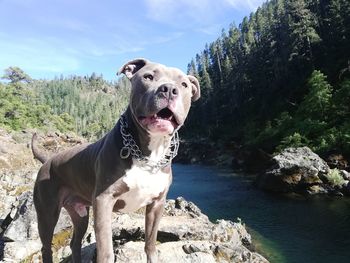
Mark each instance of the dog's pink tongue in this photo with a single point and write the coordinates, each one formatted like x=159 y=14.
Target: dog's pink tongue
x=158 y=125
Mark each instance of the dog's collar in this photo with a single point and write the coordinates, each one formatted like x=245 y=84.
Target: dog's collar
x=131 y=148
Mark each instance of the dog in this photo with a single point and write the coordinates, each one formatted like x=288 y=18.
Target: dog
x=129 y=168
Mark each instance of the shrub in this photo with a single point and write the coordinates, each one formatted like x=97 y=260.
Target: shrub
x=334 y=178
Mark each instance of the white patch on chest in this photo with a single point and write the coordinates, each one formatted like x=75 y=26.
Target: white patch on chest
x=143 y=187
x=158 y=147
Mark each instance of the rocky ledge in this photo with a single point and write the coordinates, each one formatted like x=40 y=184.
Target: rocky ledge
x=185 y=234
x=301 y=170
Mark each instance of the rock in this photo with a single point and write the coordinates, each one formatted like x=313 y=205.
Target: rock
x=13 y=155
x=317 y=189
x=294 y=169
x=23 y=229
x=171 y=252
x=345 y=174
x=185 y=236
x=19 y=250
x=186 y=207
x=337 y=161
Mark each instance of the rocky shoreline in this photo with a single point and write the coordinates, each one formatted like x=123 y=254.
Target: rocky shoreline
x=302 y=171
x=293 y=170
x=185 y=235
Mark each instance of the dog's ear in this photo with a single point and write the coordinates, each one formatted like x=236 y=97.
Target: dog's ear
x=196 y=91
x=130 y=68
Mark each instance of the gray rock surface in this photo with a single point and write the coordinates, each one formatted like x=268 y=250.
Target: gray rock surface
x=345 y=174
x=301 y=170
x=293 y=169
x=182 y=237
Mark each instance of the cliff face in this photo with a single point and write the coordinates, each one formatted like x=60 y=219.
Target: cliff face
x=185 y=234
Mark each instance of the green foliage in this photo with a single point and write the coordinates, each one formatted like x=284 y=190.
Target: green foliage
x=15 y=75
x=19 y=110
x=316 y=104
x=340 y=101
x=88 y=106
x=260 y=86
x=334 y=178
x=94 y=104
x=294 y=140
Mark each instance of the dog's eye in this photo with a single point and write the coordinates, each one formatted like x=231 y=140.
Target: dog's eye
x=184 y=84
x=148 y=77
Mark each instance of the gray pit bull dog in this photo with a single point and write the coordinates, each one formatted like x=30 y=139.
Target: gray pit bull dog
x=127 y=169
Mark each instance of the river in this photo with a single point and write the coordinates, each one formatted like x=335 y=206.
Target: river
x=285 y=228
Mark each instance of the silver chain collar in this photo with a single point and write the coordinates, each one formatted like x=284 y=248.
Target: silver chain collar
x=131 y=148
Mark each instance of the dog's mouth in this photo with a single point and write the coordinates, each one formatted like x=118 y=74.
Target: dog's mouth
x=165 y=114
x=163 y=121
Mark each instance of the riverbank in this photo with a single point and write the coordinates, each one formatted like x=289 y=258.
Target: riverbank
x=295 y=169
x=222 y=154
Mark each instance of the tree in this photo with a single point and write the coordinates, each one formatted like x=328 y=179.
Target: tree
x=341 y=98
x=317 y=101
x=266 y=66
x=302 y=29
x=15 y=75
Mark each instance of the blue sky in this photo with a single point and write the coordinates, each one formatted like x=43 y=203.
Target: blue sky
x=47 y=38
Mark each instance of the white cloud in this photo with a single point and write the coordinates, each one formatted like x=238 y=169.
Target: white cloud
x=249 y=5
x=194 y=13
x=179 y=11
x=212 y=29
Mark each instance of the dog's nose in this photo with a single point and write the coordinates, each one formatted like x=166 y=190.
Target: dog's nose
x=168 y=90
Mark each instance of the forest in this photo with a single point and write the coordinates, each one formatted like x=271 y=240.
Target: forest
x=280 y=78
x=88 y=106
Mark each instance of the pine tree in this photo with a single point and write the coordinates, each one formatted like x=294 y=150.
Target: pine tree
x=317 y=101
x=302 y=29
x=15 y=75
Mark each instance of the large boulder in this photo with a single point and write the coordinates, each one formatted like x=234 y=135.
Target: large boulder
x=185 y=235
x=295 y=170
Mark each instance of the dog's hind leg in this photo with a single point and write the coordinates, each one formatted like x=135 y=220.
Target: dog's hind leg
x=46 y=201
x=80 y=225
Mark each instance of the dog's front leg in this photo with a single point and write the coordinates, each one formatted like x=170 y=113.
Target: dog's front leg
x=103 y=207
x=154 y=213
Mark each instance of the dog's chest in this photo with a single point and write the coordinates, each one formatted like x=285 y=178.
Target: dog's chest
x=143 y=186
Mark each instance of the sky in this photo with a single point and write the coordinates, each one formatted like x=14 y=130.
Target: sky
x=48 y=38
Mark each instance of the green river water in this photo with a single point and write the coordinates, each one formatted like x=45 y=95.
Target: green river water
x=285 y=228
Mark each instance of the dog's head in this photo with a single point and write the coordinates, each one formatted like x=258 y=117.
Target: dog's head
x=161 y=96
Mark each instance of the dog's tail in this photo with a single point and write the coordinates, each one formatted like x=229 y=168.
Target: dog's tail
x=38 y=154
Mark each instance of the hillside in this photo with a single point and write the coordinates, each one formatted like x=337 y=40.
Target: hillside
x=88 y=106
x=281 y=78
